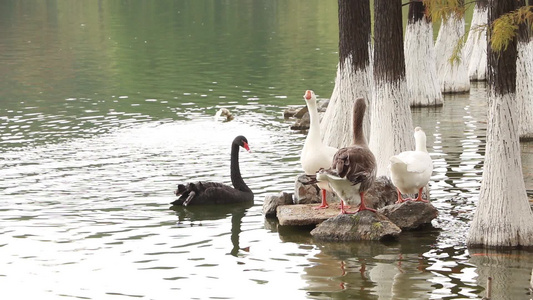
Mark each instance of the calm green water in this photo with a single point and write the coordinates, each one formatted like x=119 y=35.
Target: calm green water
x=107 y=105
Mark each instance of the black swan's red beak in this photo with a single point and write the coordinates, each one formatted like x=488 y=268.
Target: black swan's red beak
x=245 y=146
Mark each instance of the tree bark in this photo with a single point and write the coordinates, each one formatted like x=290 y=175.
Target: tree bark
x=503 y=216
x=524 y=80
x=354 y=74
x=453 y=76
x=391 y=125
x=476 y=44
x=420 y=69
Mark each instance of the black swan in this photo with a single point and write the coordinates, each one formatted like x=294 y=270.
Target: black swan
x=353 y=170
x=206 y=192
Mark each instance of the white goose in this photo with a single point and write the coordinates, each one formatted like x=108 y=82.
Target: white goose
x=315 y=154
x=411 y=170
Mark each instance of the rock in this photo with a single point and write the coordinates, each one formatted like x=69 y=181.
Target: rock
x=271 y=203
x=302 y=123
x=301 y=112
x=381 y=194
x=322 y=105
x=309 y=193
x=364 y=225
x=291 y=111
x=410 y=214
x=304 y=214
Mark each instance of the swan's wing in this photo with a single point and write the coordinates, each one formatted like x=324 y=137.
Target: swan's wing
x=222 y=194
x=189 y=198
x=193 y=192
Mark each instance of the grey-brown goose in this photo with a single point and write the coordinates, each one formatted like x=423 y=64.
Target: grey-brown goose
x=353 y=169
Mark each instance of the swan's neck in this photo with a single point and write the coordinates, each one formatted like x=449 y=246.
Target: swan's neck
x=420 y=140
x=314 y=122
x=236 y=178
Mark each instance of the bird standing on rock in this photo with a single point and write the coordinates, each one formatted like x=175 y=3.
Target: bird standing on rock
x=353 y=170
x=315 y=154
x=411 y=170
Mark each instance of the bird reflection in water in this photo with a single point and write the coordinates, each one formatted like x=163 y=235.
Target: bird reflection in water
x=216 y=212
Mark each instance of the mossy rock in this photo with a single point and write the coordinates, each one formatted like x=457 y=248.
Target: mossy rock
x=362 y=226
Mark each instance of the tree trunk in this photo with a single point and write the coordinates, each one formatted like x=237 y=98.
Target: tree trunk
x=420 y=69
x=392 y=124
x=453 y=76
x=524 y=81
x=476 y=44
x=503 y=216
x=354 y=74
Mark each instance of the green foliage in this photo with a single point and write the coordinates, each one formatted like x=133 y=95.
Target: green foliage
x=444 y=9
x=505 y=28
x=456 y=57
x=456 y=54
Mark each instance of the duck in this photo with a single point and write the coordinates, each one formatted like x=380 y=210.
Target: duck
x=223 y=112
x=315 y=154
x=353 y=169
x=207 y=192
x=411 y=170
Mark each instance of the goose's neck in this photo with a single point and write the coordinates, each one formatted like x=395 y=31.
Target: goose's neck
x=314 y=121
x=421 y=143
x=236 y=178
x=358 y=117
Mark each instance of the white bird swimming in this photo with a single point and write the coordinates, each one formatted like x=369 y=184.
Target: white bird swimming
x=411 y=170
x=315 y=154
x=353 y=170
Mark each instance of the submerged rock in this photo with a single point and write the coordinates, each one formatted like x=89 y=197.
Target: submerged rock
x=271 y=203
x=410 y=214
x=306 y=193
x=364 y=225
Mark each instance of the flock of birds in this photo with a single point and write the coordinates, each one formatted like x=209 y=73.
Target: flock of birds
x=347 y=172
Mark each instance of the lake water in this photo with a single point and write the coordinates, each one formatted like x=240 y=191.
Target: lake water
x=107 y=105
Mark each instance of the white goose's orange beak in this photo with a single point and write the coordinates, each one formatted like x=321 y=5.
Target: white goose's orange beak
x=308 y=94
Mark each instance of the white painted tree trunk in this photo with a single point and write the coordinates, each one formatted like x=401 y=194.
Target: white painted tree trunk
x=476 y=45
x=453 y=77
x=420 y=69
x=503 y=216
x=524 y=89
x=391 y=124
x=336 y=127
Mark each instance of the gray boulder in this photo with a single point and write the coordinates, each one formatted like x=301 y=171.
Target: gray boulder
x=302 y=123
x=381 y=194
x=410 y=215
x=364 y=225
x=307 y=193
x=271 y=203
